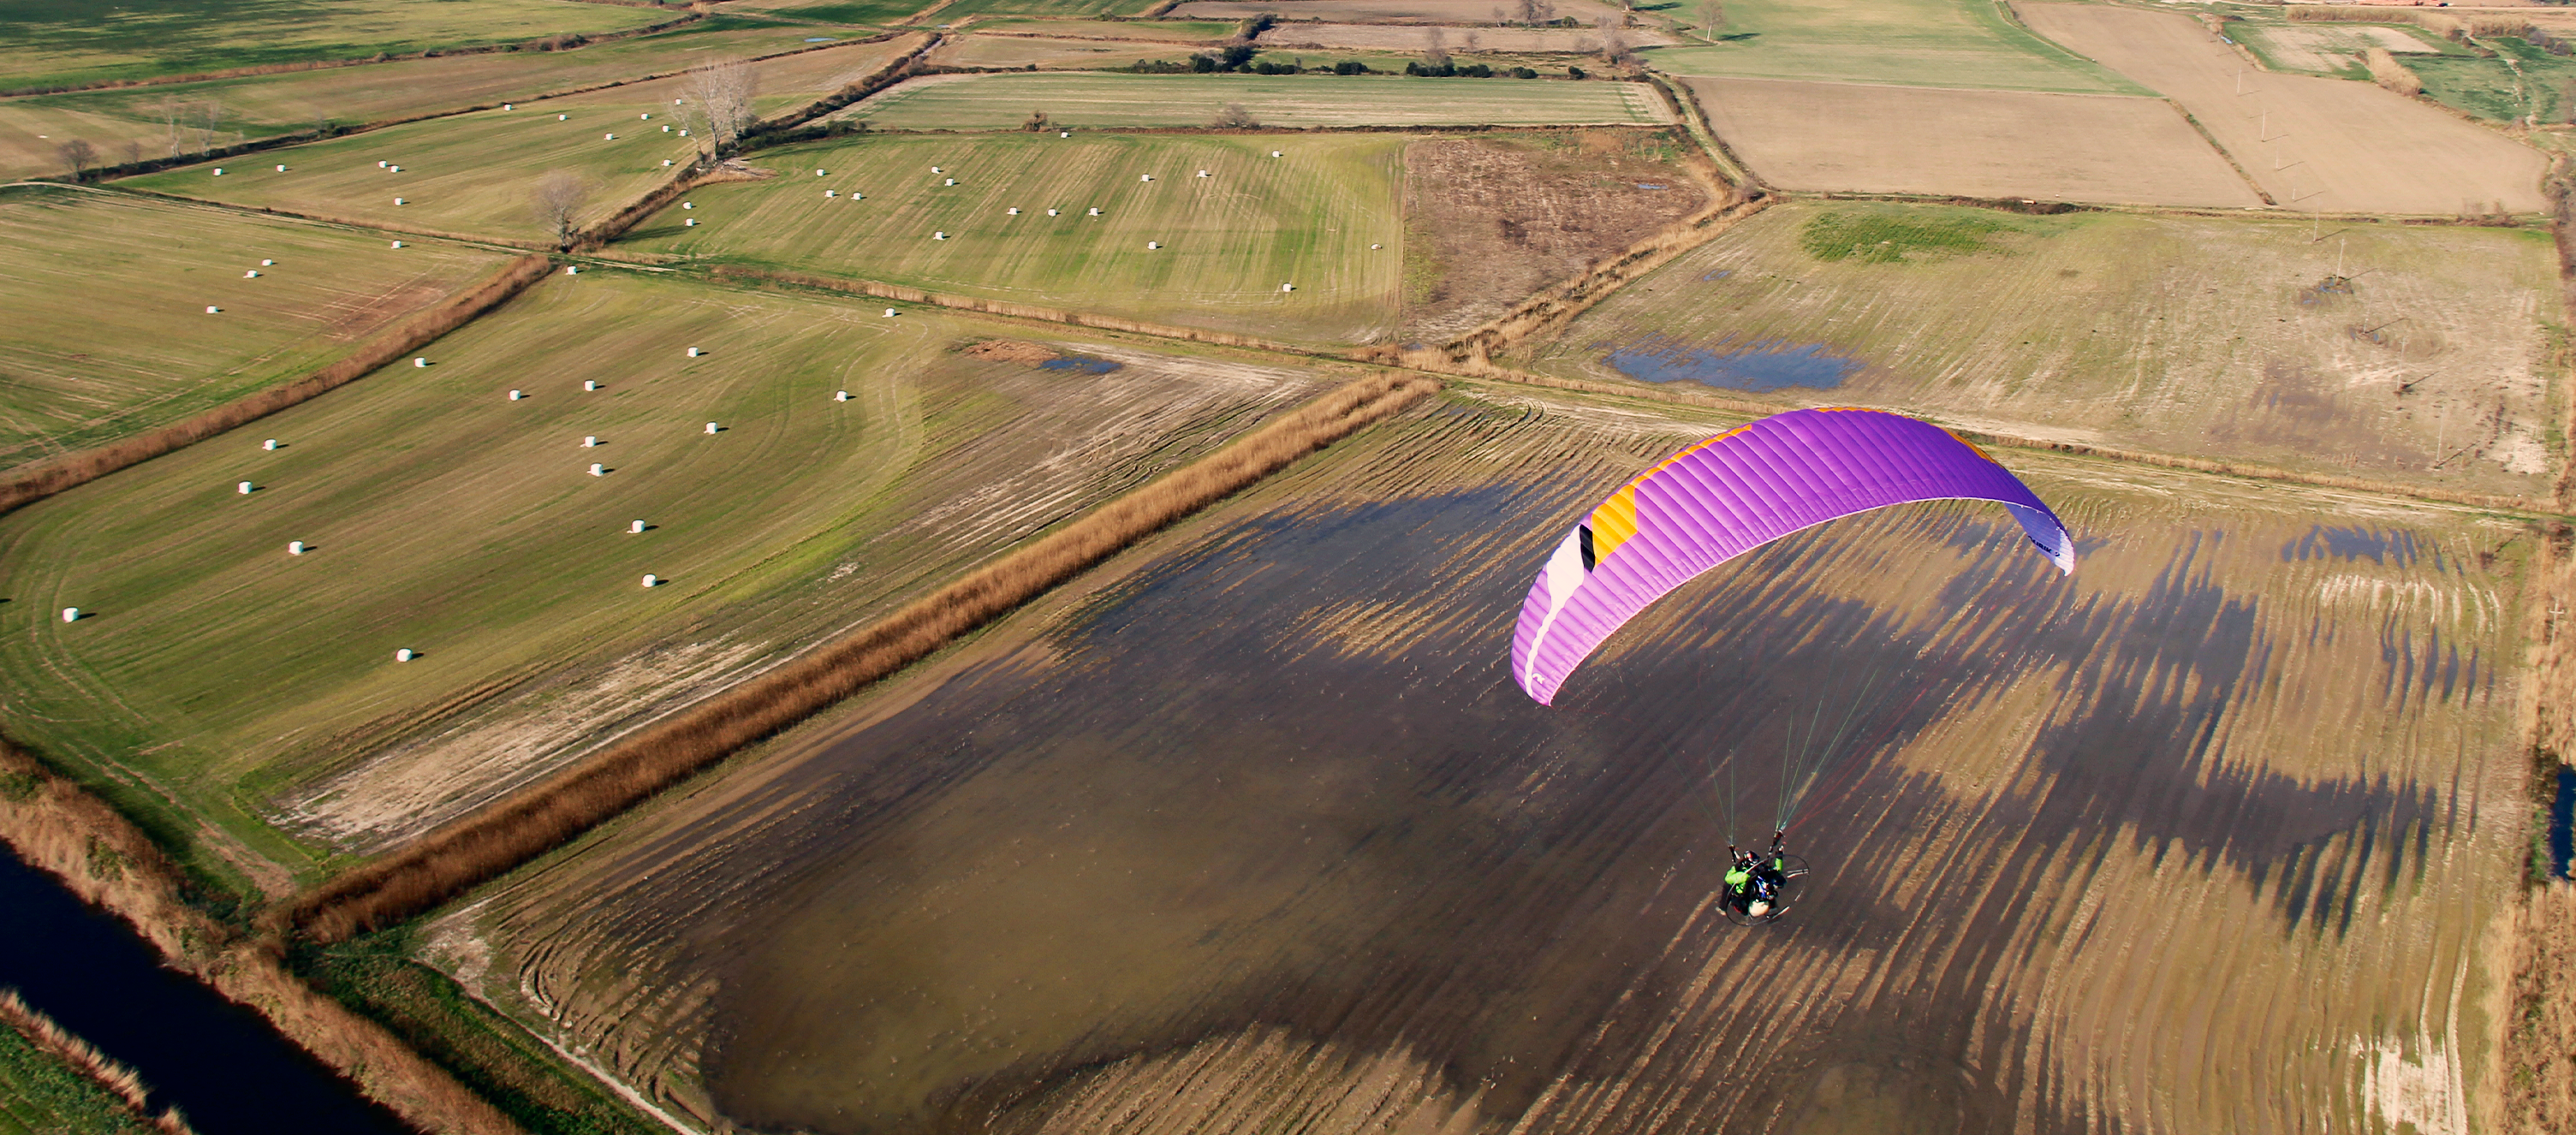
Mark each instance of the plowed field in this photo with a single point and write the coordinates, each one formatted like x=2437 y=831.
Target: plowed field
x=2311 y=143
x=1257 y=835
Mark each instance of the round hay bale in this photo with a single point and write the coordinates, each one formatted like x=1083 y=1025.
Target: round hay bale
x=295 y=547
x=650 y=581
x=691 y=223
x=637 y=526
x=243 y=488
x=844 y=395
x=397 y=244
x=252 y=274
x=939 y=236
x=212 y=309
x=270 y=444
x=403 y=655
x=267 y=263
x=572 y=269
x=420 y=362
x=590 y=441
x=71 y=614
x=1015 y=211
x=596 y=471
x=398 y=200
x=589 y=384
x=712 y=427
x=219 y=171
x=515 y=396
x=281 y=169
x=693 y=352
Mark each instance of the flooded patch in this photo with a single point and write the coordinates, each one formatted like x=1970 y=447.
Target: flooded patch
x=1759 y=366
x=2388 y=548
x=1079 y=364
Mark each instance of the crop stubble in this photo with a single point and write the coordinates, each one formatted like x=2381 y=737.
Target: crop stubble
x=107 y=297
x=1850 y=137
x=2201 y=336
x=2311 y=143
x=1101 y=100
x=2097 y=841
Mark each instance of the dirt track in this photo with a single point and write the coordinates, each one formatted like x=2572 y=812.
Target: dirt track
x=2311 y=143
x=1260 y=835
x=2050 y=147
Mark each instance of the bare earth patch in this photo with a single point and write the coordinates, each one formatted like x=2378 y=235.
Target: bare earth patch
x=2331 y=47
x=2311 y=143
x=1847 y=136
x=1495 y=221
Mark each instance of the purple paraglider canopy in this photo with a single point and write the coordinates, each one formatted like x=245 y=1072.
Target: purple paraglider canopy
x=1734 y=492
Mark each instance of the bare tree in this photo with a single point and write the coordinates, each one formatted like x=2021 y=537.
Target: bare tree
x=1614 y=42
x=1234 y=117
x=719 y=104
x=1472 y=42
x=134 y=151
x=211 y=114
x=1712 y=18
x=558 y=198
x=1437 y=55
x=173 y=115
x=78 y=156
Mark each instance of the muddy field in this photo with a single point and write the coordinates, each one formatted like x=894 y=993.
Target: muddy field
x=2221 y=338
x=2051 y=147
x=2311 y=143
x=1491 y=222
x=1257 y=834
x=2327 y=48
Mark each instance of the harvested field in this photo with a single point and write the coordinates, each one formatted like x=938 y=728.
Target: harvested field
x=2311 y=143
x=1383 y=37
x=440 y=516
x=106 y=295
x=1383 y=11
x=270 y=105
x=51 y=44
x=1854 y=138
x=2327 y=49
x=1051 y=54
x=1492 y=221
x=1003 y=102
x=1162 y=31
x=2223 y=339
x=962 y=9
x=1228 y=241
x=473 y=173
x=871 y=13
x=1965 y=44
x=1257 y=835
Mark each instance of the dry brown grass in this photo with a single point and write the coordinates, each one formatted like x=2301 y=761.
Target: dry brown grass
x=2442 y=24
x=2388 y=72
x=327 y=64
x=448 y=862
x=387 y=346
x=121 y=1081
x=101 y=856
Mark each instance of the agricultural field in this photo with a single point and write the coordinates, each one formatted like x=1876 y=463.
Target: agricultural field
x=440 y=516
x=2333 y=48
x=962 y=10
x=863 y=13
x=1851 y=137
x=2534 y=84
x=127 y=124
x=1964 y=44
x=1385 y=11
x=1414 y=38
x=1172 y=31
x=2311 y=143
x=2233 y=340
x=1050 y=54
x=1253 y=832
x=1494 y=219
x=52 y=43
x=473 y=173
x=1003 y=102
x=107 y=295
x=1227 y=241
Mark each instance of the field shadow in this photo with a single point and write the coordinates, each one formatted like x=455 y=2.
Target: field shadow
x=1282 y=779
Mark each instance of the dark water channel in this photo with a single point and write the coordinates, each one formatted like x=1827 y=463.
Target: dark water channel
x=2562 y=842
x=217 y=1062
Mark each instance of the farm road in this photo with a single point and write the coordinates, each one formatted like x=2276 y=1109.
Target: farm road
x=1272 y=794
x=2311 y=143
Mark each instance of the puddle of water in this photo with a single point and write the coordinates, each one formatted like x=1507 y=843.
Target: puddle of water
x=2562 y=840
x=1076 y=362
x=1760 y=367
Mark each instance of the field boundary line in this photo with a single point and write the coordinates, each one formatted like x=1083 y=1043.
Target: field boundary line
x=517 y=829
x=27 y=486
x=2223 y=152
x=265 y=69
x=1739 y=174
x=907 y=294
x=98 y=854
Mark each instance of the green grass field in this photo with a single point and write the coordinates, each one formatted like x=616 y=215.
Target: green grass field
x=440 y=516
x=108 y=332
x=961 y=9
x=2206 y=336
x=1923 y=43
x=2489 y=89
x=1003 y=102
x=40 y=1095
x=269 y=105
x=54 y=42
x=473 y=173
x=1174 y=31
x=1228 y=241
